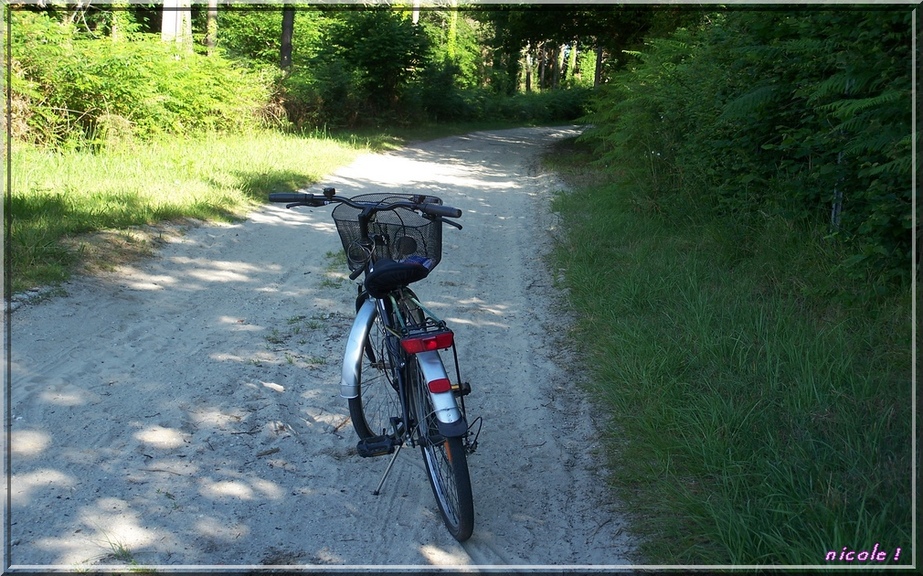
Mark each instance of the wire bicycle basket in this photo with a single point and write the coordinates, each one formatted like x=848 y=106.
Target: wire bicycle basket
x=399 y=234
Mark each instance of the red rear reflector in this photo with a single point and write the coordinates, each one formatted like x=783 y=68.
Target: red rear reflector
x=427 y=342
x=440 y=385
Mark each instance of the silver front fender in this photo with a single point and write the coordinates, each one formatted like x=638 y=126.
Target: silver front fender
x=352 y=357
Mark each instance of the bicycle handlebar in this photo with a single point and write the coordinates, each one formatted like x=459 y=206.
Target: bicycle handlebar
x=304 y=199
x=440 y=210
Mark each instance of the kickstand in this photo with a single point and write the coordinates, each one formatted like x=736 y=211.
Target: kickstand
x=388 y=470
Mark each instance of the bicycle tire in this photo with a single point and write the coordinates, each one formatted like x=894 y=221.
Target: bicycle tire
x=378 y=400
x=446 y=465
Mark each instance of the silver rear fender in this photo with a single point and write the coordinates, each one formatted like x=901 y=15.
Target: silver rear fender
x=444 y=403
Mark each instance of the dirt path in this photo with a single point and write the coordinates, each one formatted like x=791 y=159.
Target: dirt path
x=184 y=410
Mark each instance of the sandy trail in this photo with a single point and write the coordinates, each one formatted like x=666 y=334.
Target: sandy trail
x=184 y=410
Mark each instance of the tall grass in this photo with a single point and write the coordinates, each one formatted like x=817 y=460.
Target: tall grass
x=761 y=410
x=55 y=196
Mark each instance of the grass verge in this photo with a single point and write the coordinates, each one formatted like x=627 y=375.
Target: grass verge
x=761 y=409
x=57 y=197
x=84 y=209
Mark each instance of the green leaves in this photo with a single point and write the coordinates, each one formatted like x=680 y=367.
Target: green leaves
x=79 y=88
x=763 y=112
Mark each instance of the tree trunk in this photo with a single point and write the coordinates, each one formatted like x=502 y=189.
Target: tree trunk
x=572 y=62
x=597 y=79
x=119 y=22
x=79 y=7
x=288 y=26
x=177 y=23
x=558 y=65
x=452 y=36
x=528 y=67
x=541 y=67
x=211 y=32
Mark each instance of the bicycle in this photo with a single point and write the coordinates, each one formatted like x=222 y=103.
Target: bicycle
x=393 y=376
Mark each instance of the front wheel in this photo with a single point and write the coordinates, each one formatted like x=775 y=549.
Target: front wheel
x=446 y=466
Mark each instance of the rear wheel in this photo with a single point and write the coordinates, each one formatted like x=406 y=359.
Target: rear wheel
x=378 y=401
x=446 y=464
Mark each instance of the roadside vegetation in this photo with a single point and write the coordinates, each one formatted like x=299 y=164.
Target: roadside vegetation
x=61 y=196
x=114 y=128
x=755 y=352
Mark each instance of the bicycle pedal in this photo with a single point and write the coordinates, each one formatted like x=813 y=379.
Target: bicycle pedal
x=376 y=446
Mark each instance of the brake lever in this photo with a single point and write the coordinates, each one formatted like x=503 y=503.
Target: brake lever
x=315 y=203
x=451 y=222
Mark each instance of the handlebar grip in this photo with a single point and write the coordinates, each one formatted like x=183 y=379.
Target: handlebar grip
x=297 y=198
x=287 y=197
x=439 y=210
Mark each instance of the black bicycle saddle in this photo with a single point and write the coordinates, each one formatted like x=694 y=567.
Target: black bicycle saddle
x=388 y=275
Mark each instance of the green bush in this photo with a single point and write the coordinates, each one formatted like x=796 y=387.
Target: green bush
x=803 y=114
x=83 y=90
x=480 y=104
x=327 y=94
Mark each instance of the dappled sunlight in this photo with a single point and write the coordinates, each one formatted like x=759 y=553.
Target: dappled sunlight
x=73 y=397
x=437 y=556
x=109 y=535
x=238 y=324
x=28 y=442
x=475 y=323
x=273 y=386
x=225 y=489
x=278 y=215
x=209 y=425
x=254 y=358
x=197 y=273
x=240 y=489
x=481 y=306
x=161 y=437
x=23 y=485
x=215 y=417
x=416 y=171
x=142 y=281
x=117 y=528
x=217 y=530
x=221 y=271
x=268 y=489
x=219 y=275
x=326 y=556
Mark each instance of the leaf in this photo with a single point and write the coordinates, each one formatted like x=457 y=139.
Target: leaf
x=749 y=103
x=849 y=108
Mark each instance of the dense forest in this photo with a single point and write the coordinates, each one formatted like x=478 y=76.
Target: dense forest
x=800 y=113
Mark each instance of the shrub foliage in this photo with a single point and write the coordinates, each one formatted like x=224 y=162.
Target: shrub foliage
x=79 y=90
x=804 y=114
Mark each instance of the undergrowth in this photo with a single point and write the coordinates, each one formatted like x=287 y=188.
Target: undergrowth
x=760 y=397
